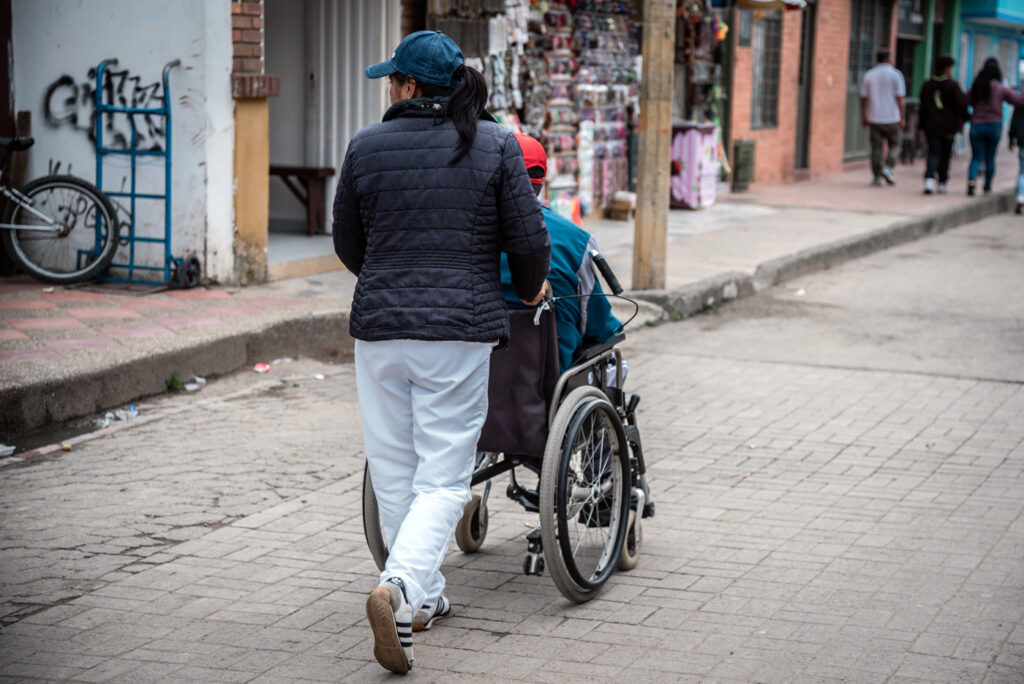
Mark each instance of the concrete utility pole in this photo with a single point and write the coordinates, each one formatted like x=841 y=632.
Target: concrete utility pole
x=655 y=144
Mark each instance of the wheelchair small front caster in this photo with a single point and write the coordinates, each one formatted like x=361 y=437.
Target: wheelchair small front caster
x=630 y=553
x=472 y=527
x=533 y=564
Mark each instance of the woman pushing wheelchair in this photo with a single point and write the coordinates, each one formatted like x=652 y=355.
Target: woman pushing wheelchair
x=426 y=201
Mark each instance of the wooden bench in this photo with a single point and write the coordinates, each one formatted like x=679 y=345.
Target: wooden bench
x=308 y=183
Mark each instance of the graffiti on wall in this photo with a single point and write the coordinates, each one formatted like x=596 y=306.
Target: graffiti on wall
x=71 y=104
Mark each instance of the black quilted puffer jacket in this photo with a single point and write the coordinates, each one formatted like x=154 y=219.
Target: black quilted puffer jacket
x=424 y=237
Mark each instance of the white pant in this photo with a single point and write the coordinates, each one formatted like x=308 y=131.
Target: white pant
x=423 y=405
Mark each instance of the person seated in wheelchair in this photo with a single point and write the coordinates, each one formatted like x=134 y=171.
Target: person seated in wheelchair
x=583 y=314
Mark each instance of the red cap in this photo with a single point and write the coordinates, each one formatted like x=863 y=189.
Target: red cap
x=533 y=155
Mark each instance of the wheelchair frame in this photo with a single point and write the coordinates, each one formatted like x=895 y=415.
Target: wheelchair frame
x=585 y=383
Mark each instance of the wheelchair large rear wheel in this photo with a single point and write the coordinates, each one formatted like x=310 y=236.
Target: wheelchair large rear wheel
x=372 y=530
x=584 y=493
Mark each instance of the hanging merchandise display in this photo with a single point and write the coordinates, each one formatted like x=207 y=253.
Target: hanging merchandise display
x=694 y=166
x=564 y=72
x=561 y=121
x=697 y=150
x=607 y=94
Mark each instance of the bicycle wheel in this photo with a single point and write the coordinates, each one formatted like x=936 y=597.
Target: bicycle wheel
x=87 y=237
x=584 y=493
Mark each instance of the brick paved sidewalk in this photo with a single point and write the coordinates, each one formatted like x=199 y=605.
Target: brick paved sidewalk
x=48 y=324
x=813 y=524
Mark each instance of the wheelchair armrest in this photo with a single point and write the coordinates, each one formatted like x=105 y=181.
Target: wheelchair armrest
x=596 y=350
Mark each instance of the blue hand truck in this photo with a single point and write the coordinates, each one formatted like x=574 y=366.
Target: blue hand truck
x=175 y=271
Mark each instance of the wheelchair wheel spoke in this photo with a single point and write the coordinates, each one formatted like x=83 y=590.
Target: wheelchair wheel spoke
x=586 y=482
x=590 y=460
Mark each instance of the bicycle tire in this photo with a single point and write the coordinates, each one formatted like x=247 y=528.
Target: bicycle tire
x=62 y=259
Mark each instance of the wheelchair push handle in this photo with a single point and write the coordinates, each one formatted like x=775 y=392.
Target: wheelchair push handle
x=606 y=271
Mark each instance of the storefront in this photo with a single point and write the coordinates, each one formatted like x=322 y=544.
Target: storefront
x=698 y=105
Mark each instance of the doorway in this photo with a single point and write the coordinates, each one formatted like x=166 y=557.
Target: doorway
x=805 y=86
x=869 y=32
x=289 y=243
x=319 y=49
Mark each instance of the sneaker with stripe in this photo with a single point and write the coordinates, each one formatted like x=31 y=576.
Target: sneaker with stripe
x=390 y=616
x=428 y=615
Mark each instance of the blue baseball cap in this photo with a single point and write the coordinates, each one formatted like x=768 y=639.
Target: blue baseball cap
x=428 y=56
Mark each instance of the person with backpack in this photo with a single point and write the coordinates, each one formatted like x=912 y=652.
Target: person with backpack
x=942 y=115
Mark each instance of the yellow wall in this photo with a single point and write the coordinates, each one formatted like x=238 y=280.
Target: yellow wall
x=252 y=188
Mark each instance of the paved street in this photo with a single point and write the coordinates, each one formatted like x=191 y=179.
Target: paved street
x=837 y=466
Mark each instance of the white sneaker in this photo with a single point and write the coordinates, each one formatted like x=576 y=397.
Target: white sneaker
x=888 y=175
x=929 y=186
x=943 y=189
x=390 y=616
x=428 y=615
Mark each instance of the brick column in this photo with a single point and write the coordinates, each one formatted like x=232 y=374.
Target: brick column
x=251 y=86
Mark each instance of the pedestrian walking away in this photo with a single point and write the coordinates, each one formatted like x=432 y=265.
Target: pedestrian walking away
x=986 y=98
x=1016 y=135
x=942 y=116
x=426 y=202
x=882 y=108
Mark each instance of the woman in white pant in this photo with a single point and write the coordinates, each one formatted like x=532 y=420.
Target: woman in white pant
x=426 y=202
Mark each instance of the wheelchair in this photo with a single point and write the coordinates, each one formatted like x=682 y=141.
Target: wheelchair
x=577 y=432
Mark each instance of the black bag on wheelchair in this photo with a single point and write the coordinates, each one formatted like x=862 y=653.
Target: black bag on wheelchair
x=523 y=377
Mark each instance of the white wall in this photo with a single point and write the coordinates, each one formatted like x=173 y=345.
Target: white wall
x=57 y=44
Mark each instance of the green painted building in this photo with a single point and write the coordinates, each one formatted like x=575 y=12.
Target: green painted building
x=970 y=30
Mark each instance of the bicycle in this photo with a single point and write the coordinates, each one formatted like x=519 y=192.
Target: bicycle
x=58 y=229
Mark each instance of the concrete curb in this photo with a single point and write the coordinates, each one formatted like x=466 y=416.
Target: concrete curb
x=691 y=299
x=321 y=335
x=696 y=297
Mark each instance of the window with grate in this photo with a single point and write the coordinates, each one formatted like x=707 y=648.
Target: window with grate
x=767 y=44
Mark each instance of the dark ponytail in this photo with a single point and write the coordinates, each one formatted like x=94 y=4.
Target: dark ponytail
x=465 y=104
x=981 y=91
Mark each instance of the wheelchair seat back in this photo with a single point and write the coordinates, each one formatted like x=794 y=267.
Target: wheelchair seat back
x=523 y=377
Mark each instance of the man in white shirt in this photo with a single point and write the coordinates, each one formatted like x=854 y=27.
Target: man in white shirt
x=882 y=107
